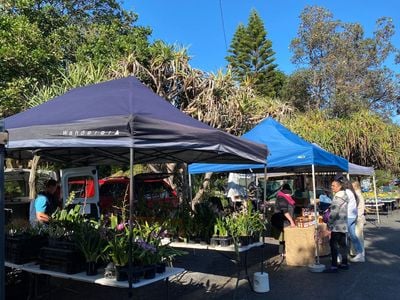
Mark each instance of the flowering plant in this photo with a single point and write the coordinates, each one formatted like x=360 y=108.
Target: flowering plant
x=118 y=242
x=146 y=253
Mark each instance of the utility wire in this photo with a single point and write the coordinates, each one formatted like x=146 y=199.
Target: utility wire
x=223 y=24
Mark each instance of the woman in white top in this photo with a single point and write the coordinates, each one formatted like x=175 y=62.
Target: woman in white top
x=360 y=216
x=352 y=214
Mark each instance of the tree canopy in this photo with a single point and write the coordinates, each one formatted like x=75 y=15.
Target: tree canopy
x=345 y=71
x=252 y=58
x=38 y=38
x=339 y=96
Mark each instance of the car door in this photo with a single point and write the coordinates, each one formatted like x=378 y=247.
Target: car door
x=82 y=184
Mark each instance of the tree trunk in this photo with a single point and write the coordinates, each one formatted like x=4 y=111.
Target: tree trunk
x=32 y=177
x=200 y=193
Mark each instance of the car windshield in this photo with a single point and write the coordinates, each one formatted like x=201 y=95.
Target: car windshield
x=114 y=189
x=154 y=190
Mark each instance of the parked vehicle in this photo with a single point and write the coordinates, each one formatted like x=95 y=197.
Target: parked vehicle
x=151 y=190
x=16 y=191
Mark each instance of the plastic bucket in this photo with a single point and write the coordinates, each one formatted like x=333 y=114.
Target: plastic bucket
x=261 y=282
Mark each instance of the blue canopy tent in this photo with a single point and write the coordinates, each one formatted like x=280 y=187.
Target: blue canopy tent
x=288 y=153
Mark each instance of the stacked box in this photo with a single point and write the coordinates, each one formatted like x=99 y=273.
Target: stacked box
x=20 y=249
x=69 y=261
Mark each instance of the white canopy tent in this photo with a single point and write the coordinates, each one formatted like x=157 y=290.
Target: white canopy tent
x=365 y=171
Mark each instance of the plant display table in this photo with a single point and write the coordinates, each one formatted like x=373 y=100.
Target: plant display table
x=239 y=257
x=34 y=268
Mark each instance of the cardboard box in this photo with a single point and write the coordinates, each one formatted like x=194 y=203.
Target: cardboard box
x=300 y=246
x=323 y=240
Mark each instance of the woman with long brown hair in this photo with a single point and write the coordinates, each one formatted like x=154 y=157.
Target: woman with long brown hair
x=337 y=225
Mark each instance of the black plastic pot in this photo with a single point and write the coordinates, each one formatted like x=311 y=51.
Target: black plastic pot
x=91 y=268
x=121 y=273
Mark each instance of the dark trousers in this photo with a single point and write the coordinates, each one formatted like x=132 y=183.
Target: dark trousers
x=338 y=245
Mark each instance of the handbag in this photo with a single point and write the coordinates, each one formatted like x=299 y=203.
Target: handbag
x=326 y=214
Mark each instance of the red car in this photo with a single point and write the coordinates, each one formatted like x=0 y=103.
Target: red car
x=151 y=191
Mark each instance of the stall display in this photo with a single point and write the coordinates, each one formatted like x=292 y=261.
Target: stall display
x=300 y=244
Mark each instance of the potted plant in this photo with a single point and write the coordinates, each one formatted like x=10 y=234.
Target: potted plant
x=87 y=236
x=166 y=255
x=204 y=219
x=221 y=236
x=118 y=248
x=148 y=257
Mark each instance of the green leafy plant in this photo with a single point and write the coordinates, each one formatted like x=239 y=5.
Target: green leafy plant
x=117 y=248
x=220 y=227
x=204 y=219
x=88 y=238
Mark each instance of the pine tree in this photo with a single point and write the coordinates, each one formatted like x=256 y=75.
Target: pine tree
x=252 y=58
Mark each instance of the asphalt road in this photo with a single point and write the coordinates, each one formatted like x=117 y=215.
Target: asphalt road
x=212 y=276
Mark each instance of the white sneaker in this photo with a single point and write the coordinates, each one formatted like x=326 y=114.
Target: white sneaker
x=358 y=258
x=339 y=258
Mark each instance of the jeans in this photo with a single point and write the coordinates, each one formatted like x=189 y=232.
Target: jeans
x=358 y=248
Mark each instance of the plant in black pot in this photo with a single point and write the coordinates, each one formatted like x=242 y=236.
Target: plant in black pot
x=166 y=254
x=221 y=236
x=148 y=257
x=90 y=242
x=117 y=248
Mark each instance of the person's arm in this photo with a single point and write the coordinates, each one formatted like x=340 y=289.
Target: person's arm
x=290 y=219
x=42 y=217
x=40 y=207
x=284 y=208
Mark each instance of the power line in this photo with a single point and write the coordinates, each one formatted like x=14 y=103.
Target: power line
x=223 y=24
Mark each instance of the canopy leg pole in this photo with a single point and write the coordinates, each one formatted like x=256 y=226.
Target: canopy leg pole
x=263 y=233
x=317 y=267
x=131 y=200
x=2 y=220
x=190 y=185
x=376 y=199
x=265 y=183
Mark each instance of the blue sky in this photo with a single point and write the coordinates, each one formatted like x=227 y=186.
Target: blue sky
x=197 y=24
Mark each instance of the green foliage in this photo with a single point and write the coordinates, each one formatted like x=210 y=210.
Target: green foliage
x=38 y=38
x=363 y=138
x=87 y=237
x=344 y=70
x=117 y=248
x=296 y=91
x=383 y=177
x=23 y=227
x=252 y=58
x=204 y=219
x=220 y=227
